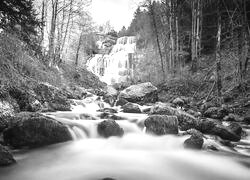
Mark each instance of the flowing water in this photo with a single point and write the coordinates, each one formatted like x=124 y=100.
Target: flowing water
x=135 y=156
x=117 y=66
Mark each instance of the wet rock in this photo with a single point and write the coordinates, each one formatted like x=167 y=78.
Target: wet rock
x=110 y=95
x=193 y=113
x=214 y=127
x=34 y=130
x=163 y=109
x=86 y=116
x=108 y=110
x=216 y=112
x=3 y=123
x=110 y=91
x=246 y=118
x=131 y=108
x=6 y=157
x=161 y=124
x=236 y=128
x=121 y=102
x=140 y=93
x=75 y=92
x=194 y=132
x=110 y=100
x=52 y=98
x=178 y=102
x=110 y=116
x=186 y=121
x=194 y=142
x=232 y=117
x=109 y=128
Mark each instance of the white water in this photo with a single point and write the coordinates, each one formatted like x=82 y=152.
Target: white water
x=135 y=156
x=117 y=66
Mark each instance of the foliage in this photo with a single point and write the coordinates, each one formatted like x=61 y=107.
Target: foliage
x=20 y=17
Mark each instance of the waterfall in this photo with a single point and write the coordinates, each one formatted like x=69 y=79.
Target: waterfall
x=118 y=66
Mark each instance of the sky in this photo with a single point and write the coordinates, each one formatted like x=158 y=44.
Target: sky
x=118 y=12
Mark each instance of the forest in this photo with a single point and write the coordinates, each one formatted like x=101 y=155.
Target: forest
x=165 y=97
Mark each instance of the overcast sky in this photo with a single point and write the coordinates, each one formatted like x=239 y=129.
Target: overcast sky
x=118 y=12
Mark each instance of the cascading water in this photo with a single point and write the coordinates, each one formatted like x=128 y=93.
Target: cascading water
x=118 y=65
x=135 y=156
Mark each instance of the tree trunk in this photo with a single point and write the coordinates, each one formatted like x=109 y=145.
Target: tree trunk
x=67 y=26
x=217 y=51
x=171 y=54
x=52 y=32
x=151 y=6
x=78 y=50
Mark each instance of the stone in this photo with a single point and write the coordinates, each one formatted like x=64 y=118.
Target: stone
x=236 y=128
x=109 y=128
x=186 y=121
x=6 y=158
x=3 y=123
x=131 y=108
x=163 y=109
x=140 y=93
x=232 y=117
x=193 y=113
x=161 y=124
x=178 y=102
x=105 y=115
x=26 y=99
x=121 y=102
x=194 y=142
x=246 y=118
x=214 y=127
x=194 y=132
x=52 y=98
x=216 y=112
x=108 y=110
x=34 y=130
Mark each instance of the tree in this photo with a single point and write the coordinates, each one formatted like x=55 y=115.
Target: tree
x=20 y=17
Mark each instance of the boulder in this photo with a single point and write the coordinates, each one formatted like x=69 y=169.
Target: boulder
x=214 y=127
x=163 y=109
x=178 y=102
x=6 y=157
x=131 y=108
x=236 y=128
x=140 y=93
x=52 y=98
x=34 y=130
x=161 y=124
x=110 y=91
x=121 y=102
x=26 y=99
x=105 y=115
x=194 y=142
x=232 y=117
x=193 y=113
x=246 y=118
x=3 y=123
x=194 y=132
x=108 y=110
x=109 y=128
x=110 y=95
x=186 y=121
x=216 y=112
